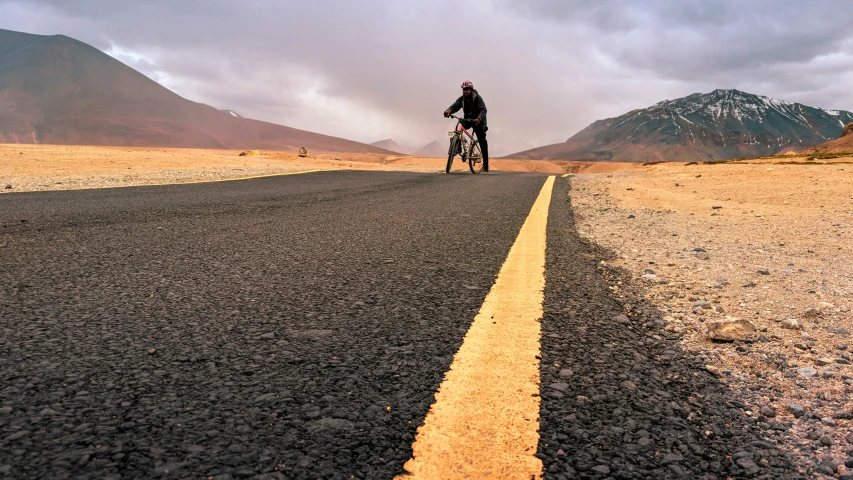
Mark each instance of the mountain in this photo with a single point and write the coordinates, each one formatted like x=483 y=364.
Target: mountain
x=54 y=89
x=722 y=124
x=431 y=149
x=389 y=144
x=844 y=143
x=232 y=113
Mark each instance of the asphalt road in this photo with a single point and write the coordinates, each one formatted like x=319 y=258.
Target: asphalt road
x=299 y=326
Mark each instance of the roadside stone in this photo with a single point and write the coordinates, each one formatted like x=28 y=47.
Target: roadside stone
x=812 y=312
x=622 y=318
x=566 y=372
x=730 y=331
x=826 y=440
x=763 y=271
x=823 y=361
x=791 y=324
x=807 y=372
x=796 y=409
x=843 y=415
x=767 y=411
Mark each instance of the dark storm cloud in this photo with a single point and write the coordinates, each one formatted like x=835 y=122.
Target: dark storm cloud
x=373 y=69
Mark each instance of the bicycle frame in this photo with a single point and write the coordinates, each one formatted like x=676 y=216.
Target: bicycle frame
x=457 y=140
x=460 y=130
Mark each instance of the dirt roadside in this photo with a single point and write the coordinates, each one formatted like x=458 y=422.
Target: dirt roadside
x=767 y=241
x=59 y=167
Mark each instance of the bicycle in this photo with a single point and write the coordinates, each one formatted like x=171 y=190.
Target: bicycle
x=459 y=145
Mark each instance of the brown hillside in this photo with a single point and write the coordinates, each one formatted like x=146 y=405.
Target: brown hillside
x=57 y=90
x=844 y=143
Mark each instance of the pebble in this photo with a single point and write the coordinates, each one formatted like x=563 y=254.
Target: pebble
x=767 y=411
x=791 y=324
x=807 y=372
x=763 y=271
x=796 y=409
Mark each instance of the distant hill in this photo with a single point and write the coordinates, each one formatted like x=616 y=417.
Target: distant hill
x=389 y=144
x=722 y=124
x=54 y=89
x=844 y=143
x=432 y=149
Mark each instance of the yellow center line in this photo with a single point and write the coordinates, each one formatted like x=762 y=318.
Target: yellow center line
x=485 y=419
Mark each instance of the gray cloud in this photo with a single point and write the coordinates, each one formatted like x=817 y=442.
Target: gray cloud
x=379 y=68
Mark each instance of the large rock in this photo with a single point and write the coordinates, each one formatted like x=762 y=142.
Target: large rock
x=730 y=330
x=848 y=129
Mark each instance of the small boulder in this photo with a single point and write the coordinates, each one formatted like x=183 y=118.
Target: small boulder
x=796 y=409
x=303 y=152
x=767 y=411
x=791 y=324
x=730 y=331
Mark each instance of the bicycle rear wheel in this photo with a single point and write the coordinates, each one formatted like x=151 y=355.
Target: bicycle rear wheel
x=451 y=152
x=475 y=158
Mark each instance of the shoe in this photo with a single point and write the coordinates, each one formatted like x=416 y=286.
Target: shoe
x=485 y=171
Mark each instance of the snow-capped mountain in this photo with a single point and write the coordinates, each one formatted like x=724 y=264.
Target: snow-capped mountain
x=722 y=124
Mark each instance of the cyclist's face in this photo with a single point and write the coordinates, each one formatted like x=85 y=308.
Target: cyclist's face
x=466 y=91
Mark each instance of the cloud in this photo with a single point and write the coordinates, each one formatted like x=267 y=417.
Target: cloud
x=380 y=68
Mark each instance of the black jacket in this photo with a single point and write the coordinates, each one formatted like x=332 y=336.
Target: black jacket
x=473 y=106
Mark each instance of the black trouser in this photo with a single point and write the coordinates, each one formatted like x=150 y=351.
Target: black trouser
x=484 y=145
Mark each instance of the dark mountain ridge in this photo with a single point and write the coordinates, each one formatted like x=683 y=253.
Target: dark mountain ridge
x=719 y=125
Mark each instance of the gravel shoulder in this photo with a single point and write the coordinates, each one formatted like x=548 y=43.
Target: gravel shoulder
x=766 y=242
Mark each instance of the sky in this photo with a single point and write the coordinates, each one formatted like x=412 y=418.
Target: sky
x=368 y=70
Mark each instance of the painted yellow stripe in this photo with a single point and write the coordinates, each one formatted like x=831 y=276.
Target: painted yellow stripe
x=485 y=419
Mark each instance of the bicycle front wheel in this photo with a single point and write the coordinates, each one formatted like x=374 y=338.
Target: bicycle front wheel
x=451 y=152
x=475 y=158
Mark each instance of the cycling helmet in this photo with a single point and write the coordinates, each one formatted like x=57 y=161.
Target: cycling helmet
x=467 y=84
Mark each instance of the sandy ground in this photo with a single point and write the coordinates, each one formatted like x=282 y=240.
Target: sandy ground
x=57 y=167
x=765 y=241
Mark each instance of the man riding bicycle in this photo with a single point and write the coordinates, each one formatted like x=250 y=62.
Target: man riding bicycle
x=474 y=107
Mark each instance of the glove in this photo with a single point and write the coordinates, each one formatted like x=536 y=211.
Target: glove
x=446 y=113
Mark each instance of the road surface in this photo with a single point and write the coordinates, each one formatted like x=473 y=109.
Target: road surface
x=300 y=327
